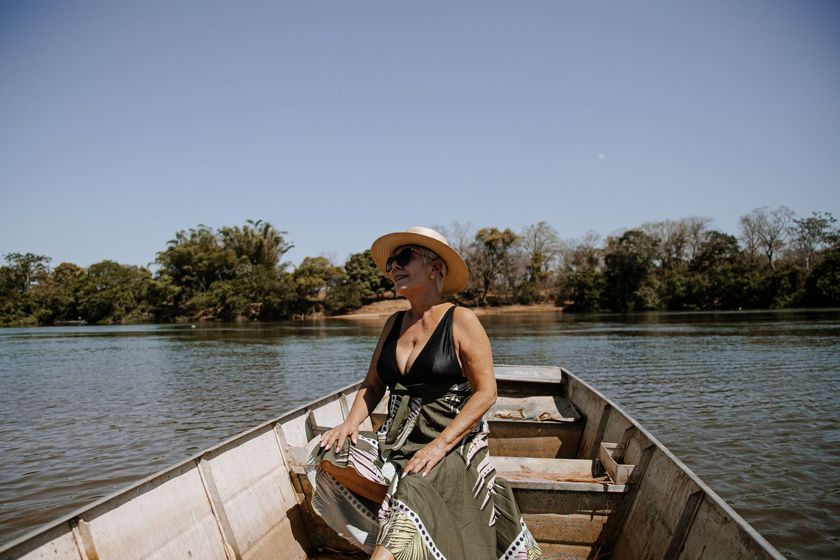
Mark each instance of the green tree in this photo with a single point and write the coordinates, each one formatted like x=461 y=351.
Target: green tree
x=581 y=278
x=713 y=274
x=114 y=293
x=196 y=258
x=257 y=243
x=541 y=246
x=822 y=287
x=812 y=234
x=314 y=279
x=490 y=257
x=21 y=273
x=27 y=269
x=365 y=278
x=628 y=266
x=57 y=296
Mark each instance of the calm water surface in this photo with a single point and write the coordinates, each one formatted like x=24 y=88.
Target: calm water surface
x=749 y=401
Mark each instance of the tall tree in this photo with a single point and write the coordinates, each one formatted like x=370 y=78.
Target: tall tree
x=112 y=293
x=581 y=280
x=194 y=259
x=314 y=279
x=257 y=242
x=714 y=277
x=490 y=251
x=459 y=235
x=26 y=269
x=541 y=246
x=764 y=230
x=629 y=262
x=812 y=234
x=57 y=298
x=364 y=277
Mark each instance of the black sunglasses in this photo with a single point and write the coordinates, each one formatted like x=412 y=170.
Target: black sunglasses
x=402 y=258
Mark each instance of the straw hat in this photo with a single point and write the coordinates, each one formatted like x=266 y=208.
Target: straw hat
x=457 y=273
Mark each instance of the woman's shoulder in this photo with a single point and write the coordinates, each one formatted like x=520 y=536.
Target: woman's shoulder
x=465 y=318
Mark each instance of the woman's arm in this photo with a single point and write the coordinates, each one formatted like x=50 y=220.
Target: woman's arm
x=368 y=396
x=476 y=356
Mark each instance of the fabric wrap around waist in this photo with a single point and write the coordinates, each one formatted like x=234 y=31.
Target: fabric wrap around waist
x=431 y=391
x=419 y=412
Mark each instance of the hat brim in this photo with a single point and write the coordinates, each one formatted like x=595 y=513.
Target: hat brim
x=457 y=274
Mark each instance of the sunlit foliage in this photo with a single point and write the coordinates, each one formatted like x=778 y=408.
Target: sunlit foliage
x=237 y=273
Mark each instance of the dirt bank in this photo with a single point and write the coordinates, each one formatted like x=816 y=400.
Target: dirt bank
x=381 y=309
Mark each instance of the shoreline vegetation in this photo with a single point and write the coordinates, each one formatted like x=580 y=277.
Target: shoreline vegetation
x=777 y=260
x=381 y=310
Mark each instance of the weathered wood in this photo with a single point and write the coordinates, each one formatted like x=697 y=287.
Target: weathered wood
x=555 y=551
x=171 y=518
x=535 y=439
x=716 y=535
x=566 y=498
x=576 y=529
x=656 y=510
x=619 y=473
x=558 y=470
x=57 y=543
x=254 y=491
x=616 y=521
x=683 y=525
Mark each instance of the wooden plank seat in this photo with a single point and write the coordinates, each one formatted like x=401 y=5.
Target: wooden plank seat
x=551 y=473
x=565 y=506
x=535 y=426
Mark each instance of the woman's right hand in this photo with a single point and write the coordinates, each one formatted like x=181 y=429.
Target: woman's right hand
x=337 y=435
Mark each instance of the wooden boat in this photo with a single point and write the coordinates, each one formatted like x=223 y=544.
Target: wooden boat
x=590 y=480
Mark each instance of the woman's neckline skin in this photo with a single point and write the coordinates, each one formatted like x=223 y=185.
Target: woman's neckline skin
x=417 y=343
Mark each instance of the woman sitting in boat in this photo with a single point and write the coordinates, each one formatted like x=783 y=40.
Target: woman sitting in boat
x=423 y=486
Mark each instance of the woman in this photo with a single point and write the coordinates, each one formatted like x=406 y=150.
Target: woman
x=423 y=486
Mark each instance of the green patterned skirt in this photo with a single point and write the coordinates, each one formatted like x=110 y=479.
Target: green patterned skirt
x=461 y=510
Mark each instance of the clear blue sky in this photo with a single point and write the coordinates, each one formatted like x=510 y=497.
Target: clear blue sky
x=122 y=123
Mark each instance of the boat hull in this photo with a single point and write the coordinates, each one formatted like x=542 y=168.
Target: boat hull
x=590 y=480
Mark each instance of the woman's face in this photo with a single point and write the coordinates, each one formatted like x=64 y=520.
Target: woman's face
x=415 y=273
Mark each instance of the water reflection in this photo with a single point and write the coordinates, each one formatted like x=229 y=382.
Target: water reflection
x=747 y=400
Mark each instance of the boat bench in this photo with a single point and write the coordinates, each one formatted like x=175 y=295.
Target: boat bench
x=565 y=503
x=534 y=426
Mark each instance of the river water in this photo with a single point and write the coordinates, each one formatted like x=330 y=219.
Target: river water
x=748 y=400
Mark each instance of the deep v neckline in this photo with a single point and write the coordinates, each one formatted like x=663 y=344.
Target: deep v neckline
x=425 y=344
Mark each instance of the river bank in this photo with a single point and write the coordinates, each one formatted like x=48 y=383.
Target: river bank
x=381 y=310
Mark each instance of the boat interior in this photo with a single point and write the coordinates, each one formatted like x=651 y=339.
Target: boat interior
x=590 y=481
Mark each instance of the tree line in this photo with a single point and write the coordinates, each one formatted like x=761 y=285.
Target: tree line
x=238 y=273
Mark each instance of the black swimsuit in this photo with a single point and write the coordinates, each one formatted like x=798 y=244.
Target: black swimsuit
x=436 y=362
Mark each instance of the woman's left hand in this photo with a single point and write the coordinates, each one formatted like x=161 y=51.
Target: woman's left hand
x=423 y=461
